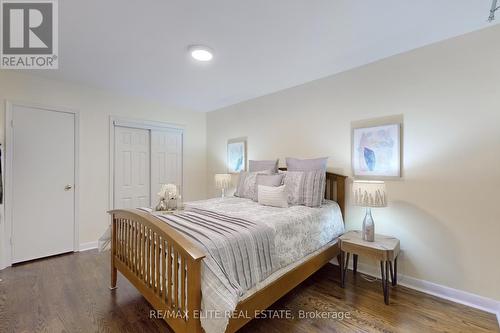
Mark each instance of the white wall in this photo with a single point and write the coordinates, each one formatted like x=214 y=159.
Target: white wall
x=446 y=209
x=95 y=107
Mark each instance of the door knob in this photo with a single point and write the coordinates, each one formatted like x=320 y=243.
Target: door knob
x=68 y=187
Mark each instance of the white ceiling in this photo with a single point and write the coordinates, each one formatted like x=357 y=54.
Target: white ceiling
x=261 y=46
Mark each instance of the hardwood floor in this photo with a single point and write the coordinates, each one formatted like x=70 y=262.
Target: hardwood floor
x=69 y=293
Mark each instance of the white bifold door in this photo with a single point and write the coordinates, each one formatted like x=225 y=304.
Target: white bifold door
x=42 y=205
x=132 y=167
x=144 y=159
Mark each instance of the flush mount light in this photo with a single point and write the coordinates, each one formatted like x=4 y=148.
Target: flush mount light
x=201 y=53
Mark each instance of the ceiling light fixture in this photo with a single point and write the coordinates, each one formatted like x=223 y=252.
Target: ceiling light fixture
x=201 y=53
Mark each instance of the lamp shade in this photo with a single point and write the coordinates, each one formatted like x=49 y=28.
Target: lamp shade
x=222 y=180
x=369 y=193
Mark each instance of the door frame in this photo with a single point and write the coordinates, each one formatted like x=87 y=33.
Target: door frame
x=6 y=238
x=115 y=121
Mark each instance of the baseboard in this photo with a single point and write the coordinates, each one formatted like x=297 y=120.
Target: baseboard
x=88 y=246
x=451 y=294
x=83 y=247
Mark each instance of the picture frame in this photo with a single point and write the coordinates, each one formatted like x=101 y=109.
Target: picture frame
x=376 y=151
x=236 y=155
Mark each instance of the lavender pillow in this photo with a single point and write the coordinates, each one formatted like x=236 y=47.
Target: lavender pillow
x=295 y=164
x=247 y=184
x=270 y=180
x=294 y=187
x=262 y=165
x=305 y=187
x=314 y=187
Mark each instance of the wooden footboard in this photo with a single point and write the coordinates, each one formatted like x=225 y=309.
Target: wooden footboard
x=162 y=264
x=165 y=267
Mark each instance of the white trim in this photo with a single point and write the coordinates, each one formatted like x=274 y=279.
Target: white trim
x=76 y=239
x=8 y=191
x=142 y=124
x=451 y=294
x=5 y=239
x=3 y=258
x=88 y=246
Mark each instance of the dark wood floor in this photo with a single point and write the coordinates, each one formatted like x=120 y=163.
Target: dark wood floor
x=69 y=293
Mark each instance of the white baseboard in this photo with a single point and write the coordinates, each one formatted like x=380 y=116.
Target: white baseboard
x=451 y=294
x=83 y=247
x=88 y=246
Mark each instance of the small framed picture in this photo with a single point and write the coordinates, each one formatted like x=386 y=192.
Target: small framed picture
x=236 y=155
x=376 y=151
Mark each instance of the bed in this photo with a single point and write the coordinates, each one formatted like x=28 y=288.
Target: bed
x=171 y=266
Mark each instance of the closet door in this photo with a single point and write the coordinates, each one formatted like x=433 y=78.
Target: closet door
x=42 y=182
x=166 y=159
x=132 y=168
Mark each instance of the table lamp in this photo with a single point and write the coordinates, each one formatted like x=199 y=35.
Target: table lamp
x=222 y=182
x=369 y=194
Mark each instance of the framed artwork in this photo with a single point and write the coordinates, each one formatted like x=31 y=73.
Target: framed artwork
x=236 y=155
x=376 y=151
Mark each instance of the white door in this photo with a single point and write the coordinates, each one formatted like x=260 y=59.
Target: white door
x=43 y=179
x=132 y=168
x=166 y=159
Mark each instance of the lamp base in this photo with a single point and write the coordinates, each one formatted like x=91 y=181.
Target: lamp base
x=368 y=231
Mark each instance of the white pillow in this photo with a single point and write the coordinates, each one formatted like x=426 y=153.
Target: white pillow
x=272 y=196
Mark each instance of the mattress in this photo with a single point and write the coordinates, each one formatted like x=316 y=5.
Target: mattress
x=300 y=233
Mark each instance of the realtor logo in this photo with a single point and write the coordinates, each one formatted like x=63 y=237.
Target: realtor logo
x=29 y=34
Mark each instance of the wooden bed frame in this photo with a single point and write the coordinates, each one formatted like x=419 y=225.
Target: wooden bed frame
x=152 y=256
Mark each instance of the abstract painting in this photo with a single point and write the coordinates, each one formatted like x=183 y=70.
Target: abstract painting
x=376 y=151
x=236 y=155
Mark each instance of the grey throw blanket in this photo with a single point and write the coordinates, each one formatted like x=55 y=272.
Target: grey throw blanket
x=241 y=250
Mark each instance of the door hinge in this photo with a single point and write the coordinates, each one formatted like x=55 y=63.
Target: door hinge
x=12 y=123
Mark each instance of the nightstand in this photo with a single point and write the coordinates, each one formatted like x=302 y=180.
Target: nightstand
x=384 y=249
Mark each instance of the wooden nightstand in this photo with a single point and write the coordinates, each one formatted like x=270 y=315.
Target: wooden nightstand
x=384 y=249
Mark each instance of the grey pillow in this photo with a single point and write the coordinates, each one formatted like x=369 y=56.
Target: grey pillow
x=262 y=165
x=314 y=187
x=270 y=180
x=305 y=187
x=294 y=187
x=247 y=184
x=295 y=164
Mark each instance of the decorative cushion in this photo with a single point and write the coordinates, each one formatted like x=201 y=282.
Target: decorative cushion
x=273 y=196
x=247 y=184
x=270 y=180
x=305 y=187
x=262 y=165
x=295 y=164
x=294 y=187
x=314 y=187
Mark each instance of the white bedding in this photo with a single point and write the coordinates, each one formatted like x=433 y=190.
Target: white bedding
x=299 y=232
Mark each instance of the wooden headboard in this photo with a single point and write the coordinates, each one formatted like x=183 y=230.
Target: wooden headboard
x=334 y=189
